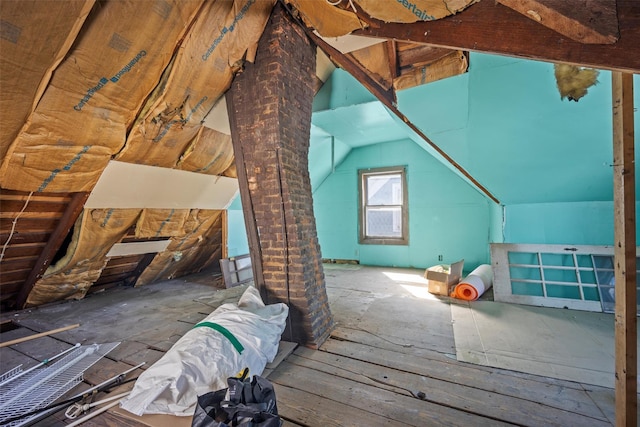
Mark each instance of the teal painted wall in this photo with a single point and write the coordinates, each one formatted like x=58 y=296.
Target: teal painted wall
x=236 y=233
x=447 y=216
x=496 y=215
x=547 y=160
x=341 y=90
x=322 y=161
x=578 y=223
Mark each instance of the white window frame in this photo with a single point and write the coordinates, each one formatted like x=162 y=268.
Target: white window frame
x=502 y=280
x=363 y=174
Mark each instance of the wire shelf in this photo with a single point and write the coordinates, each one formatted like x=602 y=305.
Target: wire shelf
x=44 y=386
x=10 y=374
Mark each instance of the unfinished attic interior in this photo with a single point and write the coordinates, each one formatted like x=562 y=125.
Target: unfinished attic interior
x=308 y=189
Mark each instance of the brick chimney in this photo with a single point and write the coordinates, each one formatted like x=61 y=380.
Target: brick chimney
x=269 y=107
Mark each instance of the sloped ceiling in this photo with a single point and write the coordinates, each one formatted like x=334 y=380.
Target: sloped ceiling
x=503 y=121
x=80 y=89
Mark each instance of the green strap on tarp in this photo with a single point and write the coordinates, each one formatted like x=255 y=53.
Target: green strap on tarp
x=224 y=331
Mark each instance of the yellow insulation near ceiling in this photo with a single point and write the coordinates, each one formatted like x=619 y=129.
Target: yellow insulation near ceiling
x=202 y=71
x=210 y=153
x=95 y=232
x=450 y=65
x=407 y=11
x=375 y=58
x=231 y=171
x=327 y=20
x=94 y=95
x=35 y=38
x=161 y=223
x=197 y=249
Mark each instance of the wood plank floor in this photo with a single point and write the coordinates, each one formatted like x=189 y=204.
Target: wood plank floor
x=390 y=360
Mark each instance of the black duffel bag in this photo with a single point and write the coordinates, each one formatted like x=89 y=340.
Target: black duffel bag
x=246 y=403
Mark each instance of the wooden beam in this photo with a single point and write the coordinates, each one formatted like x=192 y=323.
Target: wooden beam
x=413 y=55
x=585 y=21
x=225 y=234
x=625 y=250
x=253 y=238
x=393 y=58
x=142 y=265
x=494 y=28
x=74 y=208
x=387 y=96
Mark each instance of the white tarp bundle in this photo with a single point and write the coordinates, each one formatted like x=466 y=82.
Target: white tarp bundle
x=230 y=339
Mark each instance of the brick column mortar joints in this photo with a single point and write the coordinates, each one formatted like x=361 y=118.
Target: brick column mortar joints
x=270 y=115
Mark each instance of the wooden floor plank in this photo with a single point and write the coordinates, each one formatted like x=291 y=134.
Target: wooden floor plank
x=310 y=409
x=360 y=336
x=10 y=358
x=42 y=348
x=366 y=337
x=416 y=322
x=105 y=369
x=285 y=348
x=451 y=371
x=380 y=403
x=473 y=400
x=344 y=383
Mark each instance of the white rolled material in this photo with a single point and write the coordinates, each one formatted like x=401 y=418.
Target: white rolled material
x=475 y=284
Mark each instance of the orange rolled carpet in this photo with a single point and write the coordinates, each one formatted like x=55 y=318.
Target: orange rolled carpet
x=475 y=284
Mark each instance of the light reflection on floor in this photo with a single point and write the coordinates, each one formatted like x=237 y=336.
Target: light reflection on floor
x=415 y=284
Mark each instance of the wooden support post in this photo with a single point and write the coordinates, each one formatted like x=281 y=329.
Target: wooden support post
x=392 y=50
x=57 y=237
x=225 y=234
x=253 y=237
x=625 y=250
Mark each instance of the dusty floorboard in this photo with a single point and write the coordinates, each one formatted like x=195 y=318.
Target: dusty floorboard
x=389 y=361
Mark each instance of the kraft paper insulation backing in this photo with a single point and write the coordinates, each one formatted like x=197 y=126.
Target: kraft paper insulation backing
x=475 y=284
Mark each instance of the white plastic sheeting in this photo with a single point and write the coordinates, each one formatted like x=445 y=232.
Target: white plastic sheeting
x=203 y=359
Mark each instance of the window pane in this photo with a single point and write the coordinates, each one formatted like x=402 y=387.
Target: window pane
x=384 y=222
x=384 y=189
x=603 y=261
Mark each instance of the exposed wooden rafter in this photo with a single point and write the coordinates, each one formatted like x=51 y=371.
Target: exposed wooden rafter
x=494 y=28
x=392 y=50
x=53 y=244
x=585 y=21
x=386 y=95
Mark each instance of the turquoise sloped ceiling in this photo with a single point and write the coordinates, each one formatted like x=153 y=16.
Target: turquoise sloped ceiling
x=515 y=135
x=503 y=121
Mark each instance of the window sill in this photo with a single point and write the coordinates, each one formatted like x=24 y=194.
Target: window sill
x=384 y=241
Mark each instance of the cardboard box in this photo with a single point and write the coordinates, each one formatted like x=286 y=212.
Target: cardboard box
x=442 y=278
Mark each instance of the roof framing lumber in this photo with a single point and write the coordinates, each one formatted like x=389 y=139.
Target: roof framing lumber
x=494 y=28
x=253 y=235
x=74 y=208
x=624 y=250
x=585 y=21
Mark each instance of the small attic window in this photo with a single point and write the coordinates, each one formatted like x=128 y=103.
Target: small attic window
x=383 y=206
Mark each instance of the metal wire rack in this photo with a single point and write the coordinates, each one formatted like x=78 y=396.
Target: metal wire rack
x=44 y=386
x=10 y=374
